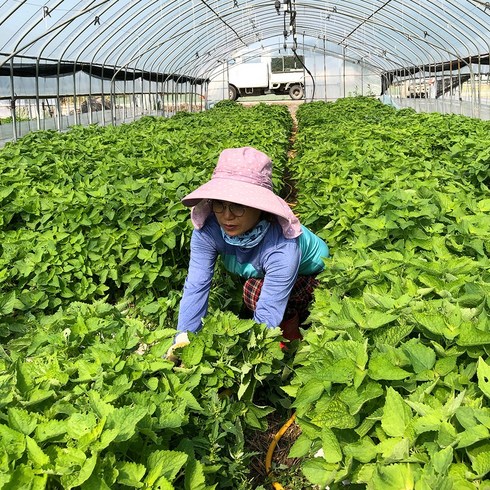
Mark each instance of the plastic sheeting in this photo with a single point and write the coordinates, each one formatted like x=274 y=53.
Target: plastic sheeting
x=189 y=37
x=407 y=49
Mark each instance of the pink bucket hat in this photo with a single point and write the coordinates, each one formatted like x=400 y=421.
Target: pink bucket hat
x=242 y=176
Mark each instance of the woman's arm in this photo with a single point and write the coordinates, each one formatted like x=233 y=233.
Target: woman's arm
x=281 y=270
x=194 y=303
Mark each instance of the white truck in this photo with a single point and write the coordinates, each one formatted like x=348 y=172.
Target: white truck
x=280 y=76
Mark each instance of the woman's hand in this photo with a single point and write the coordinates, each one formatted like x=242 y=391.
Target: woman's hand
x=181 y=340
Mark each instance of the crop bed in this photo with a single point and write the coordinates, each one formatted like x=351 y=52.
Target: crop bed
x=391 y=381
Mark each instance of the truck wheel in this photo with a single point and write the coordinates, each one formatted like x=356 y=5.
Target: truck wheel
x=232 y=92
x=296 y=91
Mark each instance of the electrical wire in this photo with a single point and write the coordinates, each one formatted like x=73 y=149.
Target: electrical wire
x=291 y=10
x=309 y=73
x=270 y=451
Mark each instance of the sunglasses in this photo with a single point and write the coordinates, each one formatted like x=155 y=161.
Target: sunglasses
x=237 y=210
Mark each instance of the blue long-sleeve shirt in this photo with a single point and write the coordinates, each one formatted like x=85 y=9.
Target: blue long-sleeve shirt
x=276 y=259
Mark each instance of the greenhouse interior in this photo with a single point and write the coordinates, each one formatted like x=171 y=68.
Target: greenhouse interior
x=322 y=324
x=66 y=63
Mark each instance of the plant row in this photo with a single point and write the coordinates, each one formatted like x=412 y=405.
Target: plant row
x=95 y=213
x=93 y=252
x=392 y=380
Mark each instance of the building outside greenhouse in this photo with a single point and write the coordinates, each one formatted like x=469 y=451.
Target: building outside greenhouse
x=375 y=118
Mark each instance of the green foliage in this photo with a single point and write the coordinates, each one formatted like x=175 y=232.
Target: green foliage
x=395 y=365
x=93 y=255
x=89 y=402
x=95 y=213
x=392 y=379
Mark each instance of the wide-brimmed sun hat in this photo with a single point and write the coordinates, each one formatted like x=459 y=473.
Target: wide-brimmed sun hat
x=243 y=176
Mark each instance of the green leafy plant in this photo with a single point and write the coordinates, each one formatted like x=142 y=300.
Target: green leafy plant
x=391 y=379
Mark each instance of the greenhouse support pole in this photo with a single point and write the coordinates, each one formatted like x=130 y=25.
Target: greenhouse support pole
x=164 y=91
x=58 y=101
x=474 y=92
x=102 y=97
x=478 y=92
x=143 y=101
x=38 y=107
x=125 y=87
x=76 y=116
x=343 y=72
x=170 y=96
x=113 y=115
x=183 y=96
x=324 y=70
x=179 y=92
x=206 y=93
x=362 y=76
x=14 y=119
x=89 y=101
x=173 y=105
x=12 y=101
x=304 y=72
x=134 y=94
x=459 y=85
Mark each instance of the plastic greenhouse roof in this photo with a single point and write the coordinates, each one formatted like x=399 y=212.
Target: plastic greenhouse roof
x=190 y=37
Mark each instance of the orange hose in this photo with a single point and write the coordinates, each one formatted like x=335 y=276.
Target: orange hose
x=270 y=451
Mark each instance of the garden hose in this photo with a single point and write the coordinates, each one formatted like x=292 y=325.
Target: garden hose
x=268 y=458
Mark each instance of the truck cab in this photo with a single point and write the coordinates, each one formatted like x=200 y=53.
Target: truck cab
x=280 y=76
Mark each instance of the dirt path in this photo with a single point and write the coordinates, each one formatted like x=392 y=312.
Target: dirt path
x=289 y=190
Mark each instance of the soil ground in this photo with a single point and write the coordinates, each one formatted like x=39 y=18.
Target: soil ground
x=258 y=441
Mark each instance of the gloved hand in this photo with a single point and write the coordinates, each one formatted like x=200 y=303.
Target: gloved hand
x=290 y=326
x=181 y=340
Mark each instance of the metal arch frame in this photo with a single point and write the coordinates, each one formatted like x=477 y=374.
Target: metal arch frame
x=228 y=24
x=424 y=36
x=219 y=36
x=155 y=48
x=116 y=44
x=369 y=49
x=312 y=35
x=12 y=11
x=74 y=35
x=147 y=41
x=456 y=54
x=326 y=10
x=151 y=48
x=461 y=40
x=413 y=33
x=390 y=29
x=455 y=51
x=107 y=33
x=156 y=53
x=225 y=14
x=56 y=27
x=403 y=34
x=309 y=46
x=274 y=35
x=10 y=59
x=77 y=57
